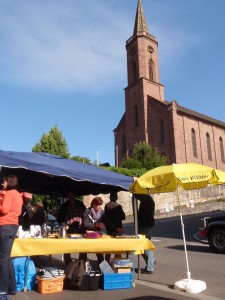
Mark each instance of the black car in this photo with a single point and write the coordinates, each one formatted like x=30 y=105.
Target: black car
x=214 y=230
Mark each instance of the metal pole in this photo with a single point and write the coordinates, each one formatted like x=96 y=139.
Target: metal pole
x=185 y=248
x=97 y=158
x=117 y=163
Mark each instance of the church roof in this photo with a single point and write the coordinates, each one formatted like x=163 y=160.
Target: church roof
x=193 y=113
x=200 y=116
x=140 y=22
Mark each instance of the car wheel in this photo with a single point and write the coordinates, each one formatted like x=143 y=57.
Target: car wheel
x=217 y=240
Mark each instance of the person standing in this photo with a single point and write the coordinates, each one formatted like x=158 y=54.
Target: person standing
x=146 y=222
x=39 y=214
x=10 y=210
x=92 y=219
x=27 y=211
x=70 y=216
x=114 y=212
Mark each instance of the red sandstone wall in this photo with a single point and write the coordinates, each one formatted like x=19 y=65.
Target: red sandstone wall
x=183 y=141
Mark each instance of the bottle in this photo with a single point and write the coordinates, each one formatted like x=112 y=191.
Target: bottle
x=44 y=230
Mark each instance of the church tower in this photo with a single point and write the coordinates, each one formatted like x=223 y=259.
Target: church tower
x=181 y=134
x=143 y=81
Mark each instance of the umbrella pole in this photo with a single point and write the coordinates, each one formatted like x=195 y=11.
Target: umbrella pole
x=135 y=209
x=185 y=248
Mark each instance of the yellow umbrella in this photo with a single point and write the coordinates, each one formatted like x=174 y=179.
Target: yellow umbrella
x=188 y=176
x=167 y=178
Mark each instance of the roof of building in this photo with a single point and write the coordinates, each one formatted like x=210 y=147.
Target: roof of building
x=140 y=22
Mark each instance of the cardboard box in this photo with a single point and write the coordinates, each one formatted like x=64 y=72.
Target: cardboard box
x=123 y=270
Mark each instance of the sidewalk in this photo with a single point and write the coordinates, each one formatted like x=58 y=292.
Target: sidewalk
x=143 y=289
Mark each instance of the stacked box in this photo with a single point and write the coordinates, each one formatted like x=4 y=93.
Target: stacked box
x=117 y=281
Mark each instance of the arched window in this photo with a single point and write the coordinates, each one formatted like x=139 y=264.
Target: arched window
x=208 y=144
x=194 y=144
x=151 y=70
x=161 y=130
x=134 y=71
x=136 y=115
x=124 y=146
x=222 y=150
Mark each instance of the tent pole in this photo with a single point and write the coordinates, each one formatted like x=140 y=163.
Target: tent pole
x=135 y=209
x=185 y=248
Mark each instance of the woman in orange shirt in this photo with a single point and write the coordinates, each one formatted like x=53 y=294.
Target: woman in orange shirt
x=10 y=210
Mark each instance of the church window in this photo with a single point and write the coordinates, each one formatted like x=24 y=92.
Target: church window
x=136 y=115
x=161 y=130
x=134 y=71
x=151 y=70
x=208 y=143
x=124 y=144
x=222 y=150
x=194 y=144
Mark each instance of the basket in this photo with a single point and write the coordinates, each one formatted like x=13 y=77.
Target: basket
x=51 y=285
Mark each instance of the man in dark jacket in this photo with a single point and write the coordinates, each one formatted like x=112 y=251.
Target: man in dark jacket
x=146 y=222
x=114 y=212
x=70 y=215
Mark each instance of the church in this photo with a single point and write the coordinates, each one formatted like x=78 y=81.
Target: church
x=183 y=135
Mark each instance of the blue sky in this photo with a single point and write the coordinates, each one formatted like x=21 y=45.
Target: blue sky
x=64 y=63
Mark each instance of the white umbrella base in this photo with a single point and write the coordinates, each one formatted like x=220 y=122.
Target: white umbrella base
x=190 y=286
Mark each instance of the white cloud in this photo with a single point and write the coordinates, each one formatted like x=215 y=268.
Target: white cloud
x=66 y=45
x=60 y=45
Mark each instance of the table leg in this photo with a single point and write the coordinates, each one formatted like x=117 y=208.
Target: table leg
x=133 y=274
x=26 y=274
x=139 y=266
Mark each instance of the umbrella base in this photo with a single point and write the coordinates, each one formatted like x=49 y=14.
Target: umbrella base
x=190 y=286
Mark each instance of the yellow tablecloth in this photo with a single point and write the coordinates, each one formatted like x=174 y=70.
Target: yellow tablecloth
x=29 y=247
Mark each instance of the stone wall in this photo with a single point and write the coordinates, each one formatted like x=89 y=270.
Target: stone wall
x=167 y=202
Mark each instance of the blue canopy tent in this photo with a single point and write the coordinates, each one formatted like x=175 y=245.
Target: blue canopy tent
x=43 y=173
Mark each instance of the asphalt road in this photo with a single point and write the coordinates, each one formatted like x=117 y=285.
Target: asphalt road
x=170 y=267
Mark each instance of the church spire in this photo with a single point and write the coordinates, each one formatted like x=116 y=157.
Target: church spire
x=140 y=22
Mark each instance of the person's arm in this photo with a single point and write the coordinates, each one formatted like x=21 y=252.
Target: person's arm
x=61 y=218
x=88 y=224
x=6 y=204
x=108 y=224
x=121 y=213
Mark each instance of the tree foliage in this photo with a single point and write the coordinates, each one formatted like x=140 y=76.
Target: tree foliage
x=144 y=156
x=53 y=143
x=82 y=159
x=126 y=171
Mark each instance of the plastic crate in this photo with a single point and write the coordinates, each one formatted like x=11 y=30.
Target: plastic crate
x=117 y=281
x=51 y=285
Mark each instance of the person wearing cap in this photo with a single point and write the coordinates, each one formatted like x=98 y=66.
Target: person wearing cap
x=27 y=211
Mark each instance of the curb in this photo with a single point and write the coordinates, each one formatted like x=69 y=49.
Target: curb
x=196 y=236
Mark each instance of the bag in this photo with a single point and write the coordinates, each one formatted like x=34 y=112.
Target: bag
x=90 y=282
x=74 y=274
x=20 y=266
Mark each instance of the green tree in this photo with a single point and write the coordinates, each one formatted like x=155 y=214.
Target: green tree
x=82 y=159
x=144 y=156
x=53 y=143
